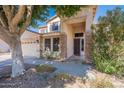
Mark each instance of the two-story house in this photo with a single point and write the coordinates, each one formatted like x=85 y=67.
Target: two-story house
x=70 y=36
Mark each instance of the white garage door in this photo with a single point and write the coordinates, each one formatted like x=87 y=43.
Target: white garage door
x=31 y=49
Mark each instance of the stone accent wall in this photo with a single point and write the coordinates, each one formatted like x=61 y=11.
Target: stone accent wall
x=63 y=46
x=41 y=45
x=88 y=47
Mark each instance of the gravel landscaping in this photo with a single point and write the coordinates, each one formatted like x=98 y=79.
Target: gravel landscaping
x=34 y=79
x=51 y=74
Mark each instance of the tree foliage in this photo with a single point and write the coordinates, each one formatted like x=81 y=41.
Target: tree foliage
x=41 y=13
x=108 y=42
x=66 y=10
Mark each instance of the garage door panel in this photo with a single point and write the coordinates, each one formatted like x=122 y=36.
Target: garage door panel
x=30 y=50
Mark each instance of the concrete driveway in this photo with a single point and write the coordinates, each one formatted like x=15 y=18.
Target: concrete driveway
x=5 y=59
x=74 y=68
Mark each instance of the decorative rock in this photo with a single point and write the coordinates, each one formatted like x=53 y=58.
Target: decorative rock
x=31 y=70
x=89 y=76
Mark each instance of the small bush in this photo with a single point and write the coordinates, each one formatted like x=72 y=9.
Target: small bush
x=104 y=65
x=45 y=68
x=109 y=66
x=51 y=55
x=62 y=76
x=120 y=68
x=101 y=84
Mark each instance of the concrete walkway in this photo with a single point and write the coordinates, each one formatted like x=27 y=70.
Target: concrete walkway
x=73 y=68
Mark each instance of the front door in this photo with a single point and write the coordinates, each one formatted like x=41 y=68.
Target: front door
x=77 y=46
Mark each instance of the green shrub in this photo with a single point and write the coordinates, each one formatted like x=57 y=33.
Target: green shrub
x=109 y=66
x=103 y=65
x=51 y=55
x=45 y=68
x=101 y=84
x=108 y=39
x=120 y=68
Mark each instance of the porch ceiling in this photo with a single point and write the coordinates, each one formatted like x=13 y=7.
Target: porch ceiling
x=50 y=34
x=78 y=24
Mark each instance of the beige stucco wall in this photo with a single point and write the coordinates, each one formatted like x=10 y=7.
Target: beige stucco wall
x=43 y=30
x=30 y=46
x=67 y=29
x=50 y=22
x=79 y=28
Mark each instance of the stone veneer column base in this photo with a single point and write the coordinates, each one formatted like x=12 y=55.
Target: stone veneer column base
x=88 y=47
x=63 y=46
x=41 y=46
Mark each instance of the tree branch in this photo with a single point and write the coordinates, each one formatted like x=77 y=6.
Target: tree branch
x=3 y=21
x=27 y=21
x=17 y=18
x=12 y=10
x=6 y=35
x=8 y=13
x=6 y=31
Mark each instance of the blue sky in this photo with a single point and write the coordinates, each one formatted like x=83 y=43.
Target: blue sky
x=101 y=11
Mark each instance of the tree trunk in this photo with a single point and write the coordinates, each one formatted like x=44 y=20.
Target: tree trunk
x=17 y=58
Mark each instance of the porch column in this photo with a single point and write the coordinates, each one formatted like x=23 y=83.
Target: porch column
x=88 y=38
x=41 y=45
x=63 y=46
x=51 y=44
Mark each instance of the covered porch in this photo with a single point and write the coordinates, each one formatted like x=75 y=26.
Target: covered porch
x=79 y=37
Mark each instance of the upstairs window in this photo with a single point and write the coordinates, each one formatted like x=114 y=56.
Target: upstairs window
x=55 y=26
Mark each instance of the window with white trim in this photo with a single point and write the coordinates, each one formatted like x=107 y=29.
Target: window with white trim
x=55 y=44
x=55 y=26
x=48 y=44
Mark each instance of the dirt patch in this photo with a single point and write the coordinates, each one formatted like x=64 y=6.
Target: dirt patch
x=6 y=71
x=117 y=82
x=31 y=79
